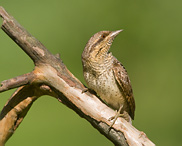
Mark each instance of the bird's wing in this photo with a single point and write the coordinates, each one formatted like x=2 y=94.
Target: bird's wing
x=123 y=81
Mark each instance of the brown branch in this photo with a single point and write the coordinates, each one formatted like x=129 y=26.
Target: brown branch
x=16 y=82
x=17 y=107
x=14 y=30
x=51 y=77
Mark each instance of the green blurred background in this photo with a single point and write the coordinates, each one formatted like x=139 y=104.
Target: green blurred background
x=149 y=47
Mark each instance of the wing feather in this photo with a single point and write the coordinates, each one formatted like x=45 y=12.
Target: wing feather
x=123 y=81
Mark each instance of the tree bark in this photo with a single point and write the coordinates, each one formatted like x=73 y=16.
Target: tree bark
x=51 y=77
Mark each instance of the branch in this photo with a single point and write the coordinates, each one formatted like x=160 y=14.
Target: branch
x=16 y=82
x=50 y=76
x=16 y=109
x=15 y=31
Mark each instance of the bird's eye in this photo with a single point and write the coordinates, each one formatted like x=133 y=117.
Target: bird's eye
x=103 y=36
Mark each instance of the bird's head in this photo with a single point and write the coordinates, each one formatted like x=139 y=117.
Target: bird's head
x=98 y=45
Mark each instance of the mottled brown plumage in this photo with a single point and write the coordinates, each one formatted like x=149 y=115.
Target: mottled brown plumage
x=105 y=75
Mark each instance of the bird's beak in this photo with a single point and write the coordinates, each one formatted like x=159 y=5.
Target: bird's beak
x=115 y=33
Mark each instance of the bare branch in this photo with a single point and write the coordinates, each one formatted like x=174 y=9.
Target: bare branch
x=51 y=77
x=16 y=82
x=32 y=47
x=17 y=107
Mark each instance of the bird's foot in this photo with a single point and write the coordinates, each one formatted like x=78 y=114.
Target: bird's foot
x=114 y=118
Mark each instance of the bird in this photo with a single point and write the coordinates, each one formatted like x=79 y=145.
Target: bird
x=105 y=75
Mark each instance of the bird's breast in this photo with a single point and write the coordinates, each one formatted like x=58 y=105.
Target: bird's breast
x=104 y=84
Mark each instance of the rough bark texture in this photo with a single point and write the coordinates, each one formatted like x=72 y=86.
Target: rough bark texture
x=51 y=77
